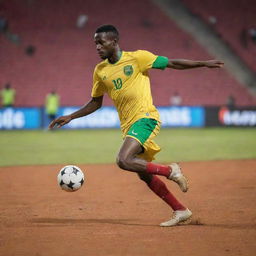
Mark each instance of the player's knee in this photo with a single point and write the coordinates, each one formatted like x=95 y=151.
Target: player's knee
x=146 y=177
x=125 y=163
x=122 y=162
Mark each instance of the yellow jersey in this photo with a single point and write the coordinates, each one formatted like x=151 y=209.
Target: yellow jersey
x=8 y=96
x=52 y=103
x=127 y=84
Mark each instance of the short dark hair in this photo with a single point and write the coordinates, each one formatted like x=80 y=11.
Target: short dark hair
x=108 y=28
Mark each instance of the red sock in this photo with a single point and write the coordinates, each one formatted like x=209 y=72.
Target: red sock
x=159 y=188
x=158 y=169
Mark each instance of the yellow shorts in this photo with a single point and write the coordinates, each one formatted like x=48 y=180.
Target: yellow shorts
x=144 y=130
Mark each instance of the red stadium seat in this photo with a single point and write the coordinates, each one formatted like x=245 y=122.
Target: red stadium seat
x=65 y=55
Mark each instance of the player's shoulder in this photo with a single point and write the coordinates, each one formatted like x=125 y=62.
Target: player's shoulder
x=137 y=52
x=140 y=55
x=100 y=65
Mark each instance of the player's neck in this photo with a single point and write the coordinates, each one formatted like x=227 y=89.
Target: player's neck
x=116 y=56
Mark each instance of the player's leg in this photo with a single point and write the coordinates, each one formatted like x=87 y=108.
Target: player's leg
x=181 y=214
x=145 y=148
x=138 y=139
x=128 y=159
x=160 y=189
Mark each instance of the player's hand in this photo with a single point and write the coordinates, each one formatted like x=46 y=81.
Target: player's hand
x=214 y=64
x=60 y=121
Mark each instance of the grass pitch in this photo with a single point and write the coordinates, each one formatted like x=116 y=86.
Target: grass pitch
x=102 y=146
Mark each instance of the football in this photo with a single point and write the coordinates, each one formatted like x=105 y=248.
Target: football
x=70 y=178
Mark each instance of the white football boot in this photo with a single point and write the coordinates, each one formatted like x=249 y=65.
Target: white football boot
x=177 y=176
x=179 y=217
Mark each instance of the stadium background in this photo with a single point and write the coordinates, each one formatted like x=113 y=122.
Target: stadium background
x=45 y=49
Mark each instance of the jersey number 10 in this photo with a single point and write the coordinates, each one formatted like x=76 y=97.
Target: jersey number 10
x=118 y=83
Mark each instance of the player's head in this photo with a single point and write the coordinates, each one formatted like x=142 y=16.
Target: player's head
x=106 y=39
x=7 y=86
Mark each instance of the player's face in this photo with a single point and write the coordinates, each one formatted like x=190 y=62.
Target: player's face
x=105 y=44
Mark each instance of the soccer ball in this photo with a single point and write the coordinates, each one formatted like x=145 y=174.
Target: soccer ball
x=70 y=178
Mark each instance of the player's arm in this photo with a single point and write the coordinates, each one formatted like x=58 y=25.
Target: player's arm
x=94 y=104
x=162 y=62
x=187 y=64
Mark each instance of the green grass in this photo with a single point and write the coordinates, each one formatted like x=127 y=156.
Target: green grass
x=101 y=146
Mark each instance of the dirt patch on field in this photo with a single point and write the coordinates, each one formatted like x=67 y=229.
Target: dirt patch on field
x=114 y=213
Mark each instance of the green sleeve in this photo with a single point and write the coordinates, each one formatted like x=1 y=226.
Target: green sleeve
x=161 y=62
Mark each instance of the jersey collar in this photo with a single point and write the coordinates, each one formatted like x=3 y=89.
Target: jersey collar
x=120 y=54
